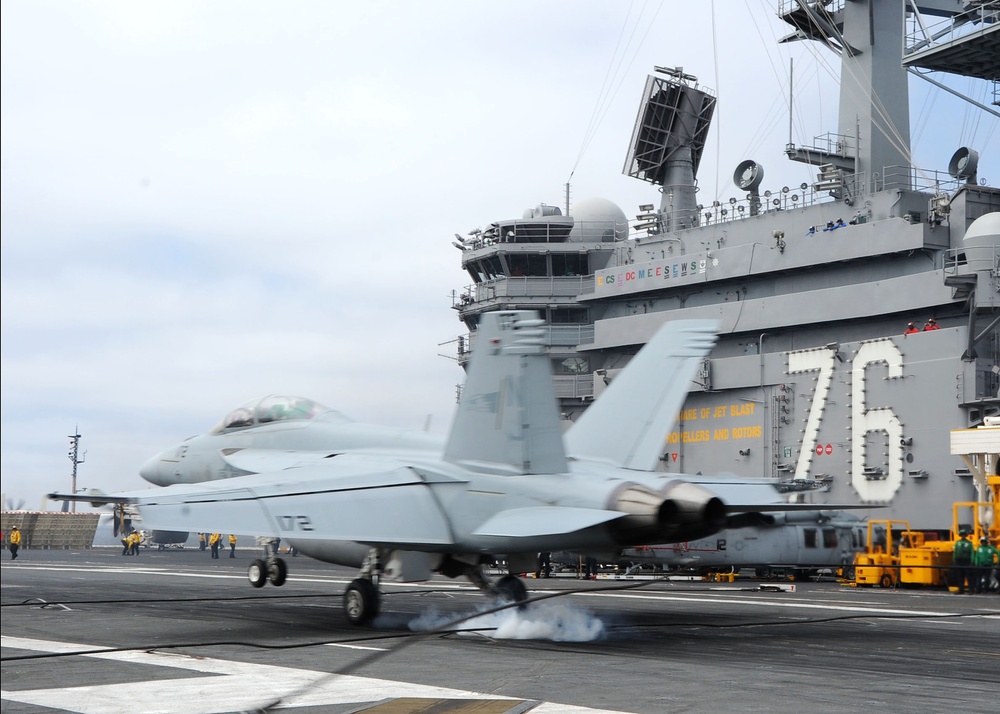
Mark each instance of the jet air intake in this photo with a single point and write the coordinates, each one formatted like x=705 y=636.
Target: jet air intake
x=681 y=511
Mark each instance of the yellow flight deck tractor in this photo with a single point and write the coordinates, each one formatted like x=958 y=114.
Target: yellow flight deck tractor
x=879 y=563
x=897 y=555
x=925 y=560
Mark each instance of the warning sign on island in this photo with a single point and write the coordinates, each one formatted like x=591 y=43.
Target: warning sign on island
x=720 y=422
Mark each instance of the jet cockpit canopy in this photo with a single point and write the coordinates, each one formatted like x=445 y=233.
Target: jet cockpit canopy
x=273 y=408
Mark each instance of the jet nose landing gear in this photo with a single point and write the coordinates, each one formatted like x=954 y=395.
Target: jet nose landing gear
x=277 y=571
x=257 y=573
x=273 y=569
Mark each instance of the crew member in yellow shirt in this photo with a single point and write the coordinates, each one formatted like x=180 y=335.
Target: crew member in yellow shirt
x=14 y=541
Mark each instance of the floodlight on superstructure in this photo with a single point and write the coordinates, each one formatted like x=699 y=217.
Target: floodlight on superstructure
x=964 y=164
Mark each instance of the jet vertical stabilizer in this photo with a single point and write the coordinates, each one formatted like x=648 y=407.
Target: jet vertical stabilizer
x=627 y=424
x=508 y=413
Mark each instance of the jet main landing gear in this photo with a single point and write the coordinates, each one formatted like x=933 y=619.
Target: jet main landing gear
x=361 y=601
x=361 y=598
x=509 y=588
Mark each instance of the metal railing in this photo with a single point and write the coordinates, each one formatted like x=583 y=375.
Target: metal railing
x=525 y=287
x=921 y=35
x=534 y=231
x=805 y=195
x=576 y=386
x=787 y=6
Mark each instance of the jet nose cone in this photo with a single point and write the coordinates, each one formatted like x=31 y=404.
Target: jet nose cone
x=152 y=470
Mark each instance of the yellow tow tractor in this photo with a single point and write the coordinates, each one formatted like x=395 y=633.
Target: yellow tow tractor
x=897 y=555
x=879 y=563
x=926 y=562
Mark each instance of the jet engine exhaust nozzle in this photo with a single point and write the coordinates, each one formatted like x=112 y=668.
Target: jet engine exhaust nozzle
x=683 y=511
x=691 y=511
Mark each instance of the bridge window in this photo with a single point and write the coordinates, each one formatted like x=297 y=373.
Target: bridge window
x=569 y=316
x=527 y=265
x=564 y=264
x=492 y=268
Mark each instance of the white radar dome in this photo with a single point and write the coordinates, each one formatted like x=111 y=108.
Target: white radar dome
x=980 y=243
x=986 y=226
x=598 y=220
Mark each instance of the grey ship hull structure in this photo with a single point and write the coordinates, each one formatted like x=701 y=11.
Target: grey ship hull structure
x=813 y=381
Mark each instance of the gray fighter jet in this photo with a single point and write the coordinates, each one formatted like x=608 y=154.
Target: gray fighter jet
x=505 y=484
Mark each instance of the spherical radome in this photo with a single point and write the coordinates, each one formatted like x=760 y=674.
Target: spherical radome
x=986 y=226
x=598 y=216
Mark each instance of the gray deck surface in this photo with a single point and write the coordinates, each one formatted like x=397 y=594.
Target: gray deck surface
x=188 y=634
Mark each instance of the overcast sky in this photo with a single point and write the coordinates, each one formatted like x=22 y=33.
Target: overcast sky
x=207 y=202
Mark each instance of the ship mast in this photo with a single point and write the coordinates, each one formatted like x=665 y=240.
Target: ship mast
x=74 y=457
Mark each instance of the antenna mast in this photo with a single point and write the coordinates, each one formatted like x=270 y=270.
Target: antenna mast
x=74 y=450
x=791 y=75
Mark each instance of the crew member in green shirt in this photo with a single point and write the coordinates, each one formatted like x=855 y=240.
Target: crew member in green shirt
x=961 y=560
x=983 y=560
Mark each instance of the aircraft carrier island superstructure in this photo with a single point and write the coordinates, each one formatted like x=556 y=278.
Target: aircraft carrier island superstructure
x=813 y=382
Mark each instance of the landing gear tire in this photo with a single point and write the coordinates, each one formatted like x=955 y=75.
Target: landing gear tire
x=277 y=572
x=763 y=572
x=361 y=602
x=257 y=573
x=511 y=589
x=885 y=581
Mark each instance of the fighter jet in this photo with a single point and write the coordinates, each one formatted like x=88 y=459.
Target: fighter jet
x=505 y=484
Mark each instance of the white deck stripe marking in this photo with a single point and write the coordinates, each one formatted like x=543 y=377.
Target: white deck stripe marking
x=238 y=686
x=875 y=611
